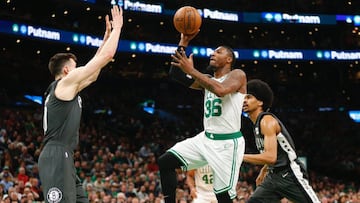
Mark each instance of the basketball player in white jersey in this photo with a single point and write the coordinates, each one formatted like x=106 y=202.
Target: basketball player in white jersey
x=221 y=144
x=200 y=182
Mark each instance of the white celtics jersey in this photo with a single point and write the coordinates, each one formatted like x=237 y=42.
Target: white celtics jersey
x=222 y=114
x=204 y=180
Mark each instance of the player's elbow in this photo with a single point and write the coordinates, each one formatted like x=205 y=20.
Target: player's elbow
x=93 y=78
x=271 y=160
x=108 y=55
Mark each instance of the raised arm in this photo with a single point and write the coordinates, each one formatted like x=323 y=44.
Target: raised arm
x=95 y=75
x=78 y=79
x=178 y=75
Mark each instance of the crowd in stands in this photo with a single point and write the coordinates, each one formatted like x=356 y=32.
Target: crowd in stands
x=119 y=145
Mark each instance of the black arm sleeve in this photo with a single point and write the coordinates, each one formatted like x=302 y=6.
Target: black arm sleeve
x=179 y=76
x=176 y=74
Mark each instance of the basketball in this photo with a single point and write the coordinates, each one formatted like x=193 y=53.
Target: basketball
x=187 y=20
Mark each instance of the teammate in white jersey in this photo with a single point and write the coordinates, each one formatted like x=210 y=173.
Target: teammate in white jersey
x=200 y=182
x=221 y=144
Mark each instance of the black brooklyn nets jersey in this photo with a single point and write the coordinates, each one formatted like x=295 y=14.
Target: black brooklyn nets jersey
x=286 y=148
x=61 y=119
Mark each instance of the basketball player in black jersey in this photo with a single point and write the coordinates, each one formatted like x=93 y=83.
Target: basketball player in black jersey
x=62 y=113
x=283 y=175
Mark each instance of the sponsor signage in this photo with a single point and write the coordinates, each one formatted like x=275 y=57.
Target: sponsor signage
x=82 y=39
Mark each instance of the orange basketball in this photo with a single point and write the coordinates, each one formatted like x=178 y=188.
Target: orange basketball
x=187 y=20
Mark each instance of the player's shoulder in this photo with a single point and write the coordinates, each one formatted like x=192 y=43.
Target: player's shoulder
x=266 y=115
x=237 y=73
x=269 y=120
x=238 y=70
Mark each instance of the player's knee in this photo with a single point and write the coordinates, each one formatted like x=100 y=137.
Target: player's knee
x=168 y=161
x=223 y=197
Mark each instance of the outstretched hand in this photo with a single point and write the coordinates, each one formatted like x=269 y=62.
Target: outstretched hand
x=180 y=60
x=186 y=38
x=117 y=17
x=117 y=20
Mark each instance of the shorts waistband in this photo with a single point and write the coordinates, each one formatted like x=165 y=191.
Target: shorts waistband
x=227 y=136
x=52 y=142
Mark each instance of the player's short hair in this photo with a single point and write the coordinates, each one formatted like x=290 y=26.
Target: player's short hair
x=57 y=62
x=262 y=91
x=232 y=53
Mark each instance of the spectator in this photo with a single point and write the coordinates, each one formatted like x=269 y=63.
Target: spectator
x=152 y=165
x=114 y=189
x=87 y=180
x=6 y=199
x=107 y=186
x=135 y=200
x=6 y=170
x=120 y=197
x=343 y=198
x=98 y=183
x=142 y=194
x=89 y=189
x=7 y=182
x=34 y=186
x=145 y=151
x=15 y=197
x=22 y=175
x=26 y=157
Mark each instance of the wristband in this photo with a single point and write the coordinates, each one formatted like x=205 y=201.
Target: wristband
x=179 y=76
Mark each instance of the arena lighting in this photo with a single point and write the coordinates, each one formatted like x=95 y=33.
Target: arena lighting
x=89 y=1
x=148 y=106
x=270 y=17
x=34 y=98
x=350 y=19
x=82 y=39
x=242 y=17
x=354 y=115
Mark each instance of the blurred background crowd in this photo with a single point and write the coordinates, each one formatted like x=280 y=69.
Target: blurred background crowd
x=133 y=113
x=119 y=147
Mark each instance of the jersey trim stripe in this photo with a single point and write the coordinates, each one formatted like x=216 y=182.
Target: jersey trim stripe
x=227 y=136
x=185 y=163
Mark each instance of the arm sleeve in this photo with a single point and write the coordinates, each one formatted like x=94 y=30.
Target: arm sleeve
x=176 y=74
